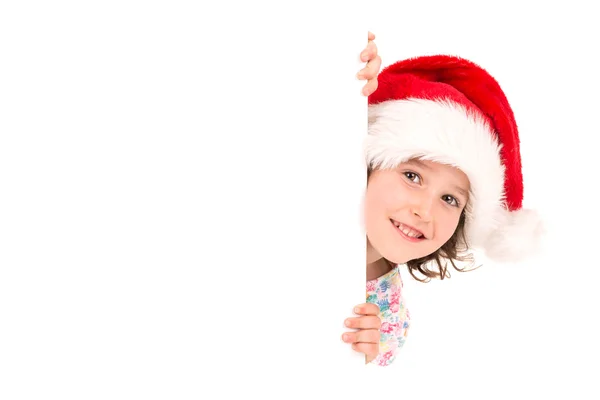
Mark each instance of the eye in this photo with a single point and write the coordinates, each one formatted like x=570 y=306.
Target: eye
x=412 y=176
x=453 y=201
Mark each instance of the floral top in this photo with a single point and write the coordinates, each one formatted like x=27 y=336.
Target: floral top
x=386 y=292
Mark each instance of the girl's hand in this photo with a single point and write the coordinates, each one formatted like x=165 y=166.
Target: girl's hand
x=371 y=70
x=366 y=338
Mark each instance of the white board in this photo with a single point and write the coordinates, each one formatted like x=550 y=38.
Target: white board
x=180 y=199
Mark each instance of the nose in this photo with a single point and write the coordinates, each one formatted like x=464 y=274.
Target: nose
x=423 y=207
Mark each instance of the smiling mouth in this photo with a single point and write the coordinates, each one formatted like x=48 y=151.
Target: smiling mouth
x=408 y=232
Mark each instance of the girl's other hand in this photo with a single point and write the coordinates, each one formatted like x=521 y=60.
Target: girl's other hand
x=371 y=70
x=366 y=339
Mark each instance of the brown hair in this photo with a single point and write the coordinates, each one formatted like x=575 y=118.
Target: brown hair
x=435 y=265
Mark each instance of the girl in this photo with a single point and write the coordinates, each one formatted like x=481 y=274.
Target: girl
x=444 y=176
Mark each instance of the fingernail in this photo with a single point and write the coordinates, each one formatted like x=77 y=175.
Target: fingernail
x=346 y=337
x=357 y=309
x=347 y=322
x=360 y=75
x=363 y=56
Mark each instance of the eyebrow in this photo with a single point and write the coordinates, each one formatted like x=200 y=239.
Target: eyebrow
x=419 y=163
x=427 y=167
x=461 y=191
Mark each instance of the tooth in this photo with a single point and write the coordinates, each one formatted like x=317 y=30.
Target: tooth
x=410 y=232
x=407 y=231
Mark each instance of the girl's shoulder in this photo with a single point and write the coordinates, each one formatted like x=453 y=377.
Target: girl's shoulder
x=390 y=281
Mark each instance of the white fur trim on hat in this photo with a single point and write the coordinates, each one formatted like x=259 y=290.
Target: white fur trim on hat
x=445 y=132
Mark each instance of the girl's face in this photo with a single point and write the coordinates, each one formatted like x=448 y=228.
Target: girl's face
x=412 y=210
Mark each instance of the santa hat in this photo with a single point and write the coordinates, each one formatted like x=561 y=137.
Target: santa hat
x=450 y=110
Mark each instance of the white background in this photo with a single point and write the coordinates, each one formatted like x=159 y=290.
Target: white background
x=169 y=224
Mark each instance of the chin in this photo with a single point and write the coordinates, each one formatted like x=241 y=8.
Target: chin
x=396 y=259
x=399 y=259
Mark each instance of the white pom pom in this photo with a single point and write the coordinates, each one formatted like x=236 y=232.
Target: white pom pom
x=517 y=238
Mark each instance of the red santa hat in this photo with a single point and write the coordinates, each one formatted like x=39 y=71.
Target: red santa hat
x=449 y=110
